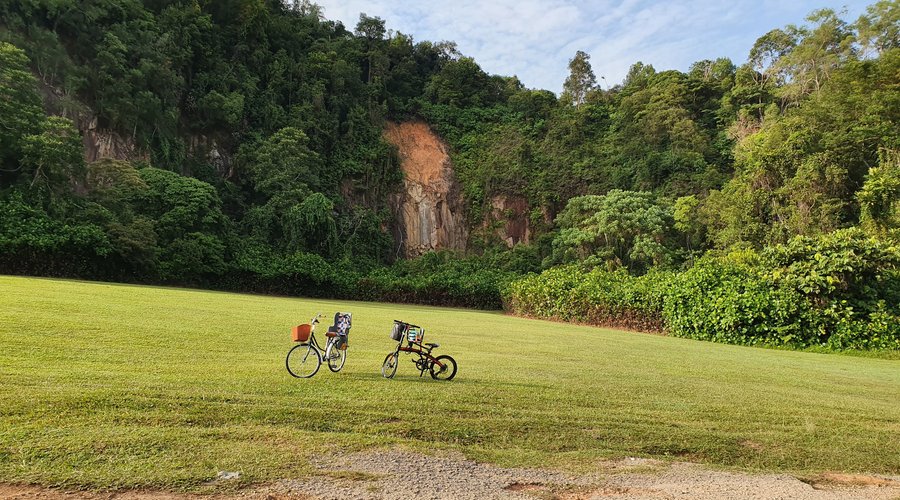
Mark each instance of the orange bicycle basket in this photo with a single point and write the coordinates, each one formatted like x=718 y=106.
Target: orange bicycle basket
x=300 y=333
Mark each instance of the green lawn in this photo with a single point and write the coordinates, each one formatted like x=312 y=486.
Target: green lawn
x=105 y=385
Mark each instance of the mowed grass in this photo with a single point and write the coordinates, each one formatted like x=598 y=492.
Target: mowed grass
x=114 y=386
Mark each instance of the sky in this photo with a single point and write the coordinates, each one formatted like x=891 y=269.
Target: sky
x=535 y=39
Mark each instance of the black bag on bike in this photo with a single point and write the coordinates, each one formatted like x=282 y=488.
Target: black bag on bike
x=398 y=331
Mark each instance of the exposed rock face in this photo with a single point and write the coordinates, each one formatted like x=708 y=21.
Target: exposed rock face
x=99 y=143
x=429 y=212
x=512 y=212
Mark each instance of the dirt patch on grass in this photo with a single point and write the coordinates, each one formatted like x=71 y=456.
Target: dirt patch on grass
x=753 y=445
x=525 y=487
x=831 y=480
x=399 y=474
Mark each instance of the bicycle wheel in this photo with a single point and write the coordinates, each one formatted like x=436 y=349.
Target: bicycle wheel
x=335 y=356
x=445 y=373
x=389 y=367
x=303 y=361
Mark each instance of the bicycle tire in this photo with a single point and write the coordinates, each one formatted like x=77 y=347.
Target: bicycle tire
x=389 y=367
x=336 y=357
x=442 y=373
x=302 y=362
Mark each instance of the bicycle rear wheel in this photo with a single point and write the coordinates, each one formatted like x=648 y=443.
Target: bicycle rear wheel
x=445 y=373
x=389 y=367
x=303 y=361
x=335 y=356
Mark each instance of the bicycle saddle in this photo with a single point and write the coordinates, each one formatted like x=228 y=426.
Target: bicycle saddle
x=432 y=345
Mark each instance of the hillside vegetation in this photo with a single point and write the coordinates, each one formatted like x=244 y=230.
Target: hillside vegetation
x=238 y=144
x=116 y=386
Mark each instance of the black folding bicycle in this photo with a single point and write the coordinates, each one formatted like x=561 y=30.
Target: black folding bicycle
x=440 y=367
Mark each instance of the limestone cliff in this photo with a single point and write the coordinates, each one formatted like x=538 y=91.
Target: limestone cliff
x=101 y=143
x=429 y=212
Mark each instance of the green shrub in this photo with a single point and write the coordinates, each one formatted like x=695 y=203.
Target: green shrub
x=880 y=331
x=437 y=278
x=840 y=290
x=733 y=302
x=33 y=242
x=598 y=297
x=434 y=279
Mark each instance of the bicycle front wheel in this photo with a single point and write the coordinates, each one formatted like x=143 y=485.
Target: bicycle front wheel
x=335 y=356
x=389 y=367
x=447 y=372
x=303 y=361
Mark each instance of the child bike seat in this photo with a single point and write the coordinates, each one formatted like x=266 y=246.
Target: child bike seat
x=341 y=325
x=432 y=345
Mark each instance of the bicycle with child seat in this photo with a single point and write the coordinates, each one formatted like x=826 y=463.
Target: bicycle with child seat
x=440 y=367
x=305 y=358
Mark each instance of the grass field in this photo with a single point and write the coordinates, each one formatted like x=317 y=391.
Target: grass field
x=114 y=386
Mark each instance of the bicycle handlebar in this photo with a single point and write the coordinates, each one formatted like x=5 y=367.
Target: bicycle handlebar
x=407 y=324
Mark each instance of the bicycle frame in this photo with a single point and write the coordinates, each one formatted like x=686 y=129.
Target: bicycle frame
x=410 y=339
x=312 y=341
x=421 y=350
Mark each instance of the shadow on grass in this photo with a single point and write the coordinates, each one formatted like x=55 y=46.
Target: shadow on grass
x=426 y=378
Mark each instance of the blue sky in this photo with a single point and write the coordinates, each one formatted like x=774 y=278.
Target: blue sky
x=534 y=39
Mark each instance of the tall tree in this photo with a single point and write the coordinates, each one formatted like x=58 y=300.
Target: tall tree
x=879 y=27
x=20 y=105
x=581 y=79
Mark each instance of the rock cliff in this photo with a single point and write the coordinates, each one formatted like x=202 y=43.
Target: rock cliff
x=100 y=143
x=429 y=212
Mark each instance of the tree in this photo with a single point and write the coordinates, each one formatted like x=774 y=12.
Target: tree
x=21 y=112
x=639 y=75
x=581 y=79
x=879 y=197
x=819 y=50
x=462 y=83
x=53 y=161
x=768 y=50
x=283 y=164
x=180 y=205
x=114 y=183
x=310 y=225
x=370 y=28
x=687 y=221
x=879 y=28
x=618 y=229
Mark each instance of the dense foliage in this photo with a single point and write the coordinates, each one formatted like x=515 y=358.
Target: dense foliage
x=609 y=298
x=238 y=144
x=840 y=291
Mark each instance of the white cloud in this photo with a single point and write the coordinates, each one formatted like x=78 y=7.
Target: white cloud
x=534 y=39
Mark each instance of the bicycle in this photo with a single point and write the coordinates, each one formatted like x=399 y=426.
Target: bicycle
x=304 y=359
x=441 y=367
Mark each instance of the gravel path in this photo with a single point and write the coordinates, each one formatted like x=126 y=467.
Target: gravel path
x=395 y=474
